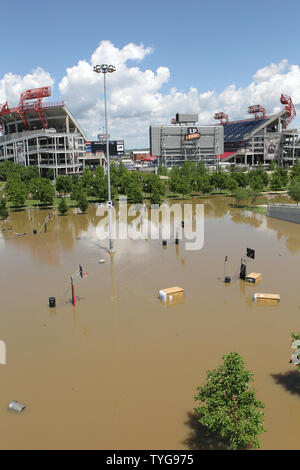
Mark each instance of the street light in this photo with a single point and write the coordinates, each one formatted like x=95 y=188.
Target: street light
x=104 y=68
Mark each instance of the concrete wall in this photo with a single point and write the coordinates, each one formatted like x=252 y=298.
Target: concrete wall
x=290 y=213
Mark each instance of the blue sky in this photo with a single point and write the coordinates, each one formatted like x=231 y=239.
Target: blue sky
x=205 y=45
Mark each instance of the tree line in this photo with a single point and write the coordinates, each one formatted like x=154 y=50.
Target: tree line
x=22 y=183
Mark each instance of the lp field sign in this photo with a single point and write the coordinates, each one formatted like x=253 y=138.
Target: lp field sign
x=192 y=133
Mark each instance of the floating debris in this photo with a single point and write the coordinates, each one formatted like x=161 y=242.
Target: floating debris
x=253 y=277
x=16 y=406
x=168 y=294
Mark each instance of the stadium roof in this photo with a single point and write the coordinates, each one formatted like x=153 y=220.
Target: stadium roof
x=237 y=131
x=242 y=130
x=55 y=115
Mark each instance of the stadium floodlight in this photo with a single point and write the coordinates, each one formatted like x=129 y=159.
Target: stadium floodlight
x=104 y=68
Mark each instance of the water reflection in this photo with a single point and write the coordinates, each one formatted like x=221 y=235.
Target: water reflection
x=288 y=231
x=239 y=216
x=64 y=232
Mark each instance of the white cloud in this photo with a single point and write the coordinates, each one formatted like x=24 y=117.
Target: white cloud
x=270 y=71
x=11 y=86
x=138 y=97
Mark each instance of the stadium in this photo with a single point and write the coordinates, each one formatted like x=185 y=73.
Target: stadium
x=46 y=134
x=41 y=134
x=258 y=140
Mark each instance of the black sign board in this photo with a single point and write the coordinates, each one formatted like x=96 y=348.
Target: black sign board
x=116 y=147
x=250 y=253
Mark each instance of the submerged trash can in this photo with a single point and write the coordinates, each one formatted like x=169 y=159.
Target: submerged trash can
x=164 y=242
x=227 y=279
x=16 y=406
x=51 y=302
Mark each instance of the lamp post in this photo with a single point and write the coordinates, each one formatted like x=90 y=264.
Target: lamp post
x=104 y=68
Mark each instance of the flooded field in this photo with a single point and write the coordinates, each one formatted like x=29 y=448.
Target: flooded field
x=119 y=370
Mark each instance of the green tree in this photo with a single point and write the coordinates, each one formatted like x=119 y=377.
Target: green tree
x=219 y=180
x=17 y=191
x=228 y=404
x=232 y=184
x=34 y=188
x=295 y=173
x=87 y=181
x=50 y=174
x=241 y=194
x=134 y=193
x=256 y=181
x=77 y=188
x=6 y=168
x=174 y=179
x=63 y=206
x=124 y=182
x=162 y=170
x=82 y=202
x=115 y=174
x=272 y=166
x=63 y=184
x=113 y=190
x=156 y=197
x=98 y=182
x=276 y=183
x=3 y=209
x=184 y=186
x=203 y=183
x=294 y=190
x=27 y=173
x=263 y=174
x=254 y=197
x=201 y=169
x=189 y=171
x=46 y=192
x=284 y=176
x=241 y=178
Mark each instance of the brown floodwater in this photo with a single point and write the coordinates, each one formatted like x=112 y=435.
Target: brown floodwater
x=119 y=371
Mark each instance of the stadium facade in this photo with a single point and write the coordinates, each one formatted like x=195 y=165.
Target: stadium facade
x=41 y=134
x=261 y=139
x=185 y=140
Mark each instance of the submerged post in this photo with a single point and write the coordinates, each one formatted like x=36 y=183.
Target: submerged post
x=73 y=291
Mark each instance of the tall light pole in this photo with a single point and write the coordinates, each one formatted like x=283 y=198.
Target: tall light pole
x=104 y=68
